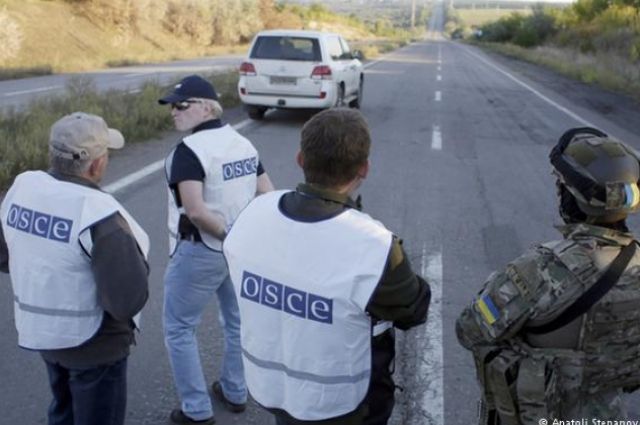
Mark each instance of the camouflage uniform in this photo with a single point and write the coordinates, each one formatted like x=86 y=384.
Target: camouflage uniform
x=577 y=371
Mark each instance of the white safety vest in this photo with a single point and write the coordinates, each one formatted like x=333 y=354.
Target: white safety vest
x=302 y=289
x=230 y=163
x=46 y=223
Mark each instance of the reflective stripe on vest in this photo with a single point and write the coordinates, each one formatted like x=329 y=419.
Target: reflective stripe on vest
x=56 y=311
x=306 y=336
x=45 y=222
x=306 y=376
x=230 y=163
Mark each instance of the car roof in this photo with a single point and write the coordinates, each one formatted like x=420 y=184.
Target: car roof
x=295 y=33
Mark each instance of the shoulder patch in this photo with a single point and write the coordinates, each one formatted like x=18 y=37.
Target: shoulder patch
x=488 y=309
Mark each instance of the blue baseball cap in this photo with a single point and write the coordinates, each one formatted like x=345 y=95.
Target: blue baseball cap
x=190 y=87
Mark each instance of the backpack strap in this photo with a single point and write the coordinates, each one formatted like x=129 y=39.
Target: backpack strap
x=592 y=295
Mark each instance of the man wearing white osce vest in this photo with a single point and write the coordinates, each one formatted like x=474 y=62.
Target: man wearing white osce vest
x=318 y=307
x=212 y=174
x=78 y=269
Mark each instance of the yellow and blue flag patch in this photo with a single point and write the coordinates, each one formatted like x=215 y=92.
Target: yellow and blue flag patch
x=632 y=195
x=488 y=309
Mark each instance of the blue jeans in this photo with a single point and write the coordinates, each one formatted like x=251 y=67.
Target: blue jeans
x=194 y=274
x=95 y=396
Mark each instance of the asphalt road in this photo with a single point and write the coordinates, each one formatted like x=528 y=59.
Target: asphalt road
x=18 y=93
x=459 y=170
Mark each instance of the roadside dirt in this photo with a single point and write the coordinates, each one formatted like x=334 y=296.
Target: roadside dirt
x=621 y=109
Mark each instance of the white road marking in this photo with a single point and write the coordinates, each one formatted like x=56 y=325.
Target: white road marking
x=531 y=89
x=370 y=64
x=436 y=138
x=439 y=77
x=439 y=68
x=432 y=364
x=38 y=90
x=132 y=178
x=132 y=91
x=438 y=96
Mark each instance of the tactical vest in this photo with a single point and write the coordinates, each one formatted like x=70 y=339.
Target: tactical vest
x=230 y=163
x=527 y=383
x=46 y=223
x=302 y=290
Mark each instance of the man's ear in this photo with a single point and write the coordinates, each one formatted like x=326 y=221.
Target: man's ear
x=95 y=168
x=207 y=108
x=300 y=159
x=363 y=171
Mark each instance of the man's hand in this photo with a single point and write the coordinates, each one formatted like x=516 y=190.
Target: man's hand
x=207 y=221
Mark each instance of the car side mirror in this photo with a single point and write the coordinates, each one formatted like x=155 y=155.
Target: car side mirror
x=357 y=54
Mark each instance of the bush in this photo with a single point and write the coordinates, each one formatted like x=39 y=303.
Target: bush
x=234 y=22
x=525 y=31
x=503 y=30
x=10 y=37
x=188 y=19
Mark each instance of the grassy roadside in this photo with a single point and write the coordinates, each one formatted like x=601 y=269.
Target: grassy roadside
x=604 y=69
x=24 y=133
x=371 y=49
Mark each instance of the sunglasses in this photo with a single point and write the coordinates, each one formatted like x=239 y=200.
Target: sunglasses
x=184 y=105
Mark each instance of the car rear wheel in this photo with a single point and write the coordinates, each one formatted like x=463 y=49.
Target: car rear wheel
x=256 y=112
x=339 y=97
x=357 y=102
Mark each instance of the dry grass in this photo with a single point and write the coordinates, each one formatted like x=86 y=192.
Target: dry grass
x=371 y=49
x=606 y=69
x=479 y=17
x=98 y=33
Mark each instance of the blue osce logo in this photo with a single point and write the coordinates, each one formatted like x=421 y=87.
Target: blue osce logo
x=233 y=170
x=280 y=297
x=39 y=224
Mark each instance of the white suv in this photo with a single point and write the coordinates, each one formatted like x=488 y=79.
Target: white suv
x=299 y=69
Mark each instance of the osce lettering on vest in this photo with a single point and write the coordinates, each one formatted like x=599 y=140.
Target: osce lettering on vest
x=233 y=170
x=284 y=298
x=39 y=224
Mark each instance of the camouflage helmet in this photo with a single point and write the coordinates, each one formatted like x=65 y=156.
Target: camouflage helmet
x=600 y=173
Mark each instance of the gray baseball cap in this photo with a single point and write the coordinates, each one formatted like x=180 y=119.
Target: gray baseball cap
x=83 y=136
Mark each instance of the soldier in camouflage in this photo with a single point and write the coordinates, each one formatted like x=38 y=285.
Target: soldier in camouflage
x=537 y=355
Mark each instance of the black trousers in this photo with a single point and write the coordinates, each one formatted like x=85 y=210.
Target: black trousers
x=95 y=396
x=378 y=404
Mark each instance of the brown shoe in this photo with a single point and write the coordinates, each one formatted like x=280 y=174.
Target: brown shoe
x=216 y=388
x=179 y=418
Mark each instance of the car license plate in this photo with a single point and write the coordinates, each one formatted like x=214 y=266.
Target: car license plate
x=284 y=80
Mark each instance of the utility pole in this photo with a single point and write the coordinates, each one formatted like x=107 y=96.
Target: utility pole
x=413 y=15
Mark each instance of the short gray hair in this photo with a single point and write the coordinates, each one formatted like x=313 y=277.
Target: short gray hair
x=62 y=165
x=216 y=108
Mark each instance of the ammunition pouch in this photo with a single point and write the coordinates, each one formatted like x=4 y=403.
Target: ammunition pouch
x=502 y=374
x=519 y=388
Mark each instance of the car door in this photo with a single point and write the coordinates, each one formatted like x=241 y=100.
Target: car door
x=339 y=66
x=354 y=67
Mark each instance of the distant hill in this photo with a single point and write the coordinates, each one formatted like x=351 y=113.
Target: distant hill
x=75 y=35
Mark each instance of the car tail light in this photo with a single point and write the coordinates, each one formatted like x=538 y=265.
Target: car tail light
x=321 y=72
x=323 y=95
x=243 y=91
x=247 y=68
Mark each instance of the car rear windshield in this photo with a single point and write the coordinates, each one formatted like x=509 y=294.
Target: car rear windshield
x=286 y=48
